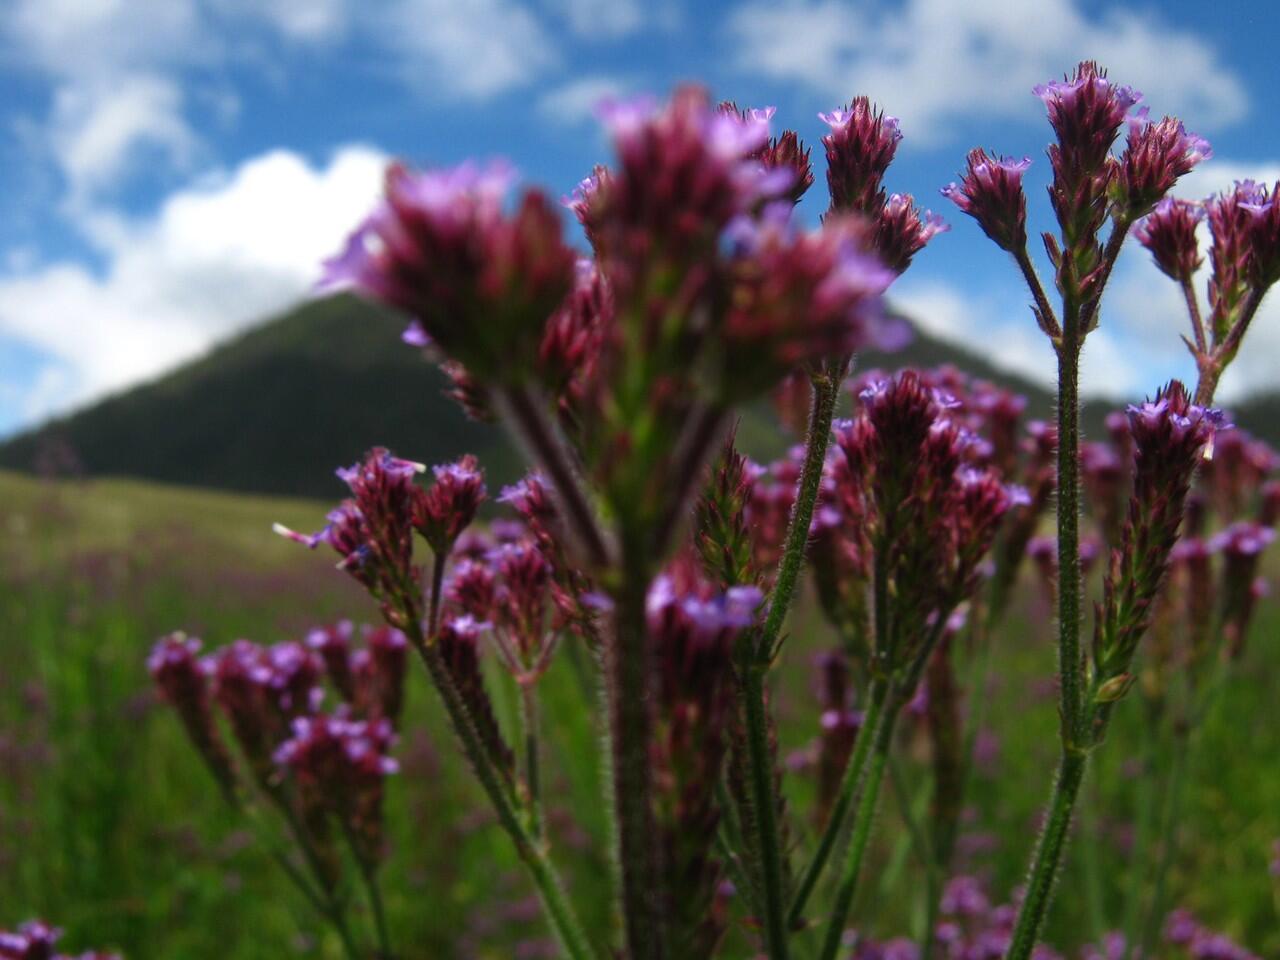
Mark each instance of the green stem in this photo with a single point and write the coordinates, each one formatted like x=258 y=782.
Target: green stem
x=766 y=812
x=369 y=877
x=627 y=671
x=332 y=908
x=1094 y=899
x=826 y=390
x=1142 y=840
x=840 y=809
x=862 y=823
x=1044 y=869
x=564 y=922
x=924 y=850
x=529 y=715
x=1070 y=664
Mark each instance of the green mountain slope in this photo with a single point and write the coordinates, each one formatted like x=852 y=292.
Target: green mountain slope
x=278 y=408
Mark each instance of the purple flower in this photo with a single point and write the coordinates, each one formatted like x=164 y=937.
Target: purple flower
x=685 y=170
x=860 y=147
x=902 y=230
x=799 y=297
x=990 y=191
x=339 y=765
x=441 y=513
x=478 y=283
x=1169 y=232
x=1155 y=156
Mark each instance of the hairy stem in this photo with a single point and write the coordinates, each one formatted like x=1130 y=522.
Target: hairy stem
x=1044 y=869
x=627 y=670
x=826 y=390
x=1047 y=318
x=529 y=721
x=532 y=853
x=844 y=800
x=1070 y=664
x=524 y=412
x=862 y=823
x=766 y=810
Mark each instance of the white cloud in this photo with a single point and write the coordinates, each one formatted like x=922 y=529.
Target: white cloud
x=1214 y=176
x=98 y=131
x=935 y=62
x=213 y=259
x=474 y=50
x=600 y=18
x=575 y=101
x=1117 y=362
x=303 y=21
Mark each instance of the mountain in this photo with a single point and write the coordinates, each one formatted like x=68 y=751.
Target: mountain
x=276 y=409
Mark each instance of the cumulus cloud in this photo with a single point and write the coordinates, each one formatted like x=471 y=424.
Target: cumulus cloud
x=212 y=260
x=576 y=101
x=475 y=50
x=934 y=62
x=600 y=18
x=97 y=131
x=1121 y=359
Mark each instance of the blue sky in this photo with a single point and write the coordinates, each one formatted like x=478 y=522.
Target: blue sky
x=173 y=170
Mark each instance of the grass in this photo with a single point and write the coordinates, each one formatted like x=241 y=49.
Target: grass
x=111 y=828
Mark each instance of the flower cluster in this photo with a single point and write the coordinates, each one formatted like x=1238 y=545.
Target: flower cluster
x=36 y=940
x=479 y=283
x=693 y=629
x=860 y=148
x=311 y=764
x=1170 y=436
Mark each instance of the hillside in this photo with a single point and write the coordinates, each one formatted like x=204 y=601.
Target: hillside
x=277 y=408
x=273 y=411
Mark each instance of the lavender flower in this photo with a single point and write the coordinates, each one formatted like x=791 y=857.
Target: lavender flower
x=1155 y=156
x=990 y=191
x=441 y=513
x=860 y=147
x=183 y=681
x=1169 y=232
x=902 y=230
x=479 y=284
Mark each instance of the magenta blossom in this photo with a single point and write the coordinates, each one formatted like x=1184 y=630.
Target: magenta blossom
x=990 y=191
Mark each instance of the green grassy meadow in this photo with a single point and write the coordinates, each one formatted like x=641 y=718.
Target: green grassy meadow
x=111 y=828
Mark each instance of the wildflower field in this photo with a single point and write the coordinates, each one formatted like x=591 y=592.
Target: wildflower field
x=767 y=655
x=111 y=824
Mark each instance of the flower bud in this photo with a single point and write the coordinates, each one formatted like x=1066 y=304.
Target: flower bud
x=1155 y=156
x=333 y=644
x=990 y=191
x=902 y=230
x=797 y=298
x=459 y=642
x=340 y=765
x=1169 y=232
x=860 y=147
x=183 y=681
x=441 y=513
x=380 y=675
x=479 y=283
